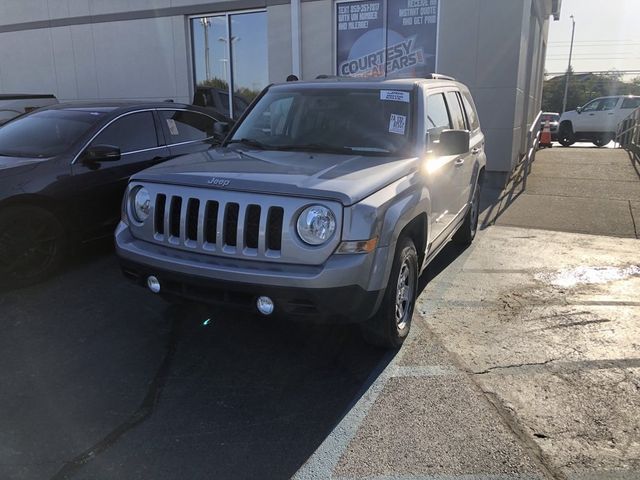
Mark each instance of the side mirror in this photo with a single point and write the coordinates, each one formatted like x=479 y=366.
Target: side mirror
x=579 y=110
x=454 y=142
x=220 y=129
x=101 y=153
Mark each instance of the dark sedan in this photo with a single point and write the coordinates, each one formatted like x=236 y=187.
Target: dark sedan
x=63 y=171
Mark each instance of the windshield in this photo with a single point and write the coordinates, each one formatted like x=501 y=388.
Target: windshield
x=45 y=134
x=364 y=121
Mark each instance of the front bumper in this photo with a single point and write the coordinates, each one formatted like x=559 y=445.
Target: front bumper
x=334 y=291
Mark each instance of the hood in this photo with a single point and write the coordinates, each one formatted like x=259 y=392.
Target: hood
x=568 y=114
x=344 y=178
x=10 y=166
x=14 y=162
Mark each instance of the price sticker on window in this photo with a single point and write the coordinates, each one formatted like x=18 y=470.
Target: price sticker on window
x=394 y=96
x=173 y=128
x=397 y=124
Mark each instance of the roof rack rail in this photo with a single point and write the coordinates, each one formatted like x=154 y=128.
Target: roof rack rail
x=439 y=76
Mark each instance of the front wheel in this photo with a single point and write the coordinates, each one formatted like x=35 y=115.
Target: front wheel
x=566 y=137
x=32 y=244
x=389 y=327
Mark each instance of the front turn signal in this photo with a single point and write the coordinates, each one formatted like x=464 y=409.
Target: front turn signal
x=358 y=246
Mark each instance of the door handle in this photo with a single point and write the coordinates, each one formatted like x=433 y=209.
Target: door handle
x=475 y=151
x=459 y=162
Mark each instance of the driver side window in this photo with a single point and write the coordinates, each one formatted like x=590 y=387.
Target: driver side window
x=608 y=104
x=592 y=106
x=130 y=133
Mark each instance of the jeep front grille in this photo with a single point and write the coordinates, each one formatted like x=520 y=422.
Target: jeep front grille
x=228 y=227
x=224 y=223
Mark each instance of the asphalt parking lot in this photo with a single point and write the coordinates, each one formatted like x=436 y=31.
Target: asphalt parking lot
x=523 y=364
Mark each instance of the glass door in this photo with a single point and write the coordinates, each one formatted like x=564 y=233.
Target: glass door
x=229 y=60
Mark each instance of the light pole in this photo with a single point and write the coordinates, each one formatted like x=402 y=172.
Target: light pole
x=206 y=23
x=566 y=82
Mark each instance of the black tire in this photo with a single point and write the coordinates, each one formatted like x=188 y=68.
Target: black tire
x=566 y=136
x=32 y=245
x=467 y=231
x=603 y=140
x=389 y=327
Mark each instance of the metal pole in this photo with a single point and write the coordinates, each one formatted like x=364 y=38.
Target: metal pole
x=566 y=82
x=296 y=39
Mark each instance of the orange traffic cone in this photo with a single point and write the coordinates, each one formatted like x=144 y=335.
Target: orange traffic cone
x=545 y=137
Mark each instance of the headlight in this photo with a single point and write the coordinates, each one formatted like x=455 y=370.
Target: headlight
x=141 y=205
x=316 y=225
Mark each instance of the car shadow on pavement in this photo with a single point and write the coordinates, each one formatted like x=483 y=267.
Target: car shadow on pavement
x=239 y=397
x=146 y=390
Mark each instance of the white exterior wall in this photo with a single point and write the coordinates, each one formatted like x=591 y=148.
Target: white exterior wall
x=500 y=59
x=144 y=59
x=501 y=62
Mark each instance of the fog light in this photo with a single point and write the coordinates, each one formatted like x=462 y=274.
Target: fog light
x=153 y=284
x=265 y=305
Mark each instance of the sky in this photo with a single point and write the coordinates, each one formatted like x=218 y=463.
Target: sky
x=607 y=36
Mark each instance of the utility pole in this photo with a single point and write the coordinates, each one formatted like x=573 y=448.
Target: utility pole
x=566 y=82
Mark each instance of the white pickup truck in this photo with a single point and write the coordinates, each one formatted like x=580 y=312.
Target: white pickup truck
x=12 y=105
x=597 y=121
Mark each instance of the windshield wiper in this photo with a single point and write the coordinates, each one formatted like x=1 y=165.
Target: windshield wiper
x=315 y=147
x=251 y=142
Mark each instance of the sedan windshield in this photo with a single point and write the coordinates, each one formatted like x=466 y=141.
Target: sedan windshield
x=361 y=121
x=45 y=134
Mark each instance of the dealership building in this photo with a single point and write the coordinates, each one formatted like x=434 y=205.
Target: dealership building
x=163 y=49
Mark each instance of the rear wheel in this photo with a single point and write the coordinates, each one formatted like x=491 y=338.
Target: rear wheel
x=603 y=140
x=566 y=137
x=32 y=245
x=389 y=327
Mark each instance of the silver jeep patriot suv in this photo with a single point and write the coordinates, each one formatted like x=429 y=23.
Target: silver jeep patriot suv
x=325 y=202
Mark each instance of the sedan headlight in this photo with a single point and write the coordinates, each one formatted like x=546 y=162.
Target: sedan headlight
x=141 y=205
x=316 y=225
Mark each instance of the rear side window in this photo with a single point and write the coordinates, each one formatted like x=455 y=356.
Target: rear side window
x=437 y=116
x=631 y=103
x=457 y=116
x=130 y=133
x=183 y=126
x=470 y=109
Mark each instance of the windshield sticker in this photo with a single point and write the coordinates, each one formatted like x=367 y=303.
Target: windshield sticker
x=397 y=124
x=394 y=96
x=173 y=128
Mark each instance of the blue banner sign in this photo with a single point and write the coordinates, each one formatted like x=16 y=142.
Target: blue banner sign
x=377 y=38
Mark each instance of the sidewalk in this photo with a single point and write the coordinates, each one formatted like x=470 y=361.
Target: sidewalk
x=524 y=364
x=524 y=360
x=580 y=190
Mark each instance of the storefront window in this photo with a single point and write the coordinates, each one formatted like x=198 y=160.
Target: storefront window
x=230 y=60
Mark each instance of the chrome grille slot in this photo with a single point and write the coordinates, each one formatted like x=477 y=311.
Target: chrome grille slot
x=252 y=226
x=175 y=208
x=211 y=222
x=230 y=231
x=274 y=228
x=159 y=211
x=193 y=207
